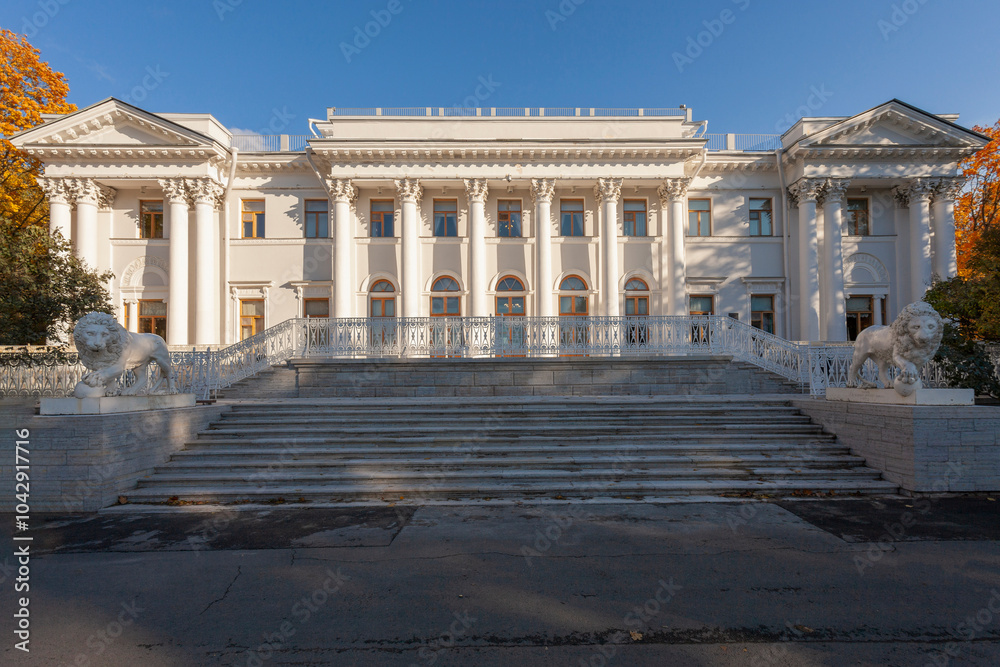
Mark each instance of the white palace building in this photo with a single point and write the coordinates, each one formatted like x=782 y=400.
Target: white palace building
x=421 y=212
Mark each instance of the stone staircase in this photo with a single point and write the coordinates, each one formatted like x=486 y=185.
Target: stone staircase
x=467 y=447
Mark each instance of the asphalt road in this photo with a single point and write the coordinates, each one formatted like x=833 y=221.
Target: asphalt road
x=811 y=582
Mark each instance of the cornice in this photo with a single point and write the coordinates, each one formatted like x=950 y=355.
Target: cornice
x=509 y=151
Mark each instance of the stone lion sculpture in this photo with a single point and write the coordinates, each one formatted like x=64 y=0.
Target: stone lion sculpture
x=909 y=343
x=108 y=350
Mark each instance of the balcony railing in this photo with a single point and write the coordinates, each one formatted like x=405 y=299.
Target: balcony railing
x=204 y=372
x=504 y=112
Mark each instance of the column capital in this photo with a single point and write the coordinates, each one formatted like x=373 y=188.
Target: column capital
x=806 y=190
x=206 y=191
x=409 y=190
x=920 y=189
x=543 y=189
x=89 y=191
x=902 y=196
x=342 y=190
x=673 y=189
x=949 y=189
x=58 y=190
x=477 y=189
x=608 y=190
x=834 y=190
x=175 y=190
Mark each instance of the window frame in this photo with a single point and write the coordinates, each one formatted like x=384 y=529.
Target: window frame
x=255 y=318
x=446 y=300
x=153 y=319
x=636 y=296
x=762 y=313
x=583 y=217
x=305 y=216
x=699 y=212
x=626 y=221
x=699 y=313
x=505 y=224
x=434 y=221
x=372 y=298
x=259 y=217
x=574 y=295
x=509 y=295
x=305 y=310
x=849 y=217
x=857 y=313
x=142 y=222
x=758 y=221
x=374 y=215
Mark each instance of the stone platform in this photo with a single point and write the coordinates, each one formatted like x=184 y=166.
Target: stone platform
x=892 y=397
x=113 y=404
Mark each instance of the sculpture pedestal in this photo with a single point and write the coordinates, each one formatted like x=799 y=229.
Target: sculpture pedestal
x=892 y=397
x=114 y=404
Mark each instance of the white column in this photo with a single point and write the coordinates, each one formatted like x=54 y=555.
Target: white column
x=60 y=196
x=608 y=192
x=945 y=194
x=901 y=222
x=133 y=315
x=176 y=192
x=920 y=236
x=805 y=191
x=86 y=222
x=344 y=194
x=834 y=301
x=409 y=192
x=207 y=195
x=877 y=305
x=673 y=193
x=542 y=192
x=477 y=190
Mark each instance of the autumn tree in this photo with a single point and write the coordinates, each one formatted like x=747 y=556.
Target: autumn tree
x=978 y=208
x=28 y=89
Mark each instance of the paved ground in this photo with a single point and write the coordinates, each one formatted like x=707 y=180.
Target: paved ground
x=824 y=582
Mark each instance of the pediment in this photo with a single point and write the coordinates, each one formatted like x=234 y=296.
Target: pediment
x=894 y=125
x=111 y=123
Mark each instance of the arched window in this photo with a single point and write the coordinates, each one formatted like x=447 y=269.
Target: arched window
x=382 y=299
x=508 y=304
x=636 y=304
x=445 y=306
x=572 y=304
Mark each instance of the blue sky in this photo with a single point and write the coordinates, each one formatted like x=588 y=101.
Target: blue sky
x=746 y=66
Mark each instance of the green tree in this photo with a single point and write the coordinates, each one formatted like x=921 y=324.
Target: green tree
x=44 y=287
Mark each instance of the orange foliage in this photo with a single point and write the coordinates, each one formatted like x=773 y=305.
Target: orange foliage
x=978 y=208
x=28 y=89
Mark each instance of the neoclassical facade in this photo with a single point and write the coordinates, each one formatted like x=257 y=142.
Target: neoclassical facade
x=813 y=235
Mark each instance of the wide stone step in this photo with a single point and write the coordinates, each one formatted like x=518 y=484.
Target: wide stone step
x=505 y=430
x=566 y=489
x=334 y=461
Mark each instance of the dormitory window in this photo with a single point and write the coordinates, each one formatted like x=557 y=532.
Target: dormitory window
x=635 y=217
x=151 y=219
x=253 y=218
x=700 y=217
x=760 y=217
x=571 y=217
x=509 y=218
x=857 y=218
x=383 y=211
x=445 y=217
x=317 y=218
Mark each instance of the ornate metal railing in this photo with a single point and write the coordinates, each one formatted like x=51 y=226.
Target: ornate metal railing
x=814 y=367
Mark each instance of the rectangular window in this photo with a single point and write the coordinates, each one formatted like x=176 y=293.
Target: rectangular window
x=857 y=222
x=151 y=219
x=253 y=218
x=571 y=217
x=762 y=312
x=153 y=318
x=860 y=315
x=316 y=308
x=251 y=317
x=383 y=211
x=702 y=304
x=509 y=218
x=317 y=218
x=635 y=217
x=760 y=217
x=700 y=217
x=445 y=217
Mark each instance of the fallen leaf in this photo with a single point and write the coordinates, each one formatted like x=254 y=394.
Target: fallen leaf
x=636 y=636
